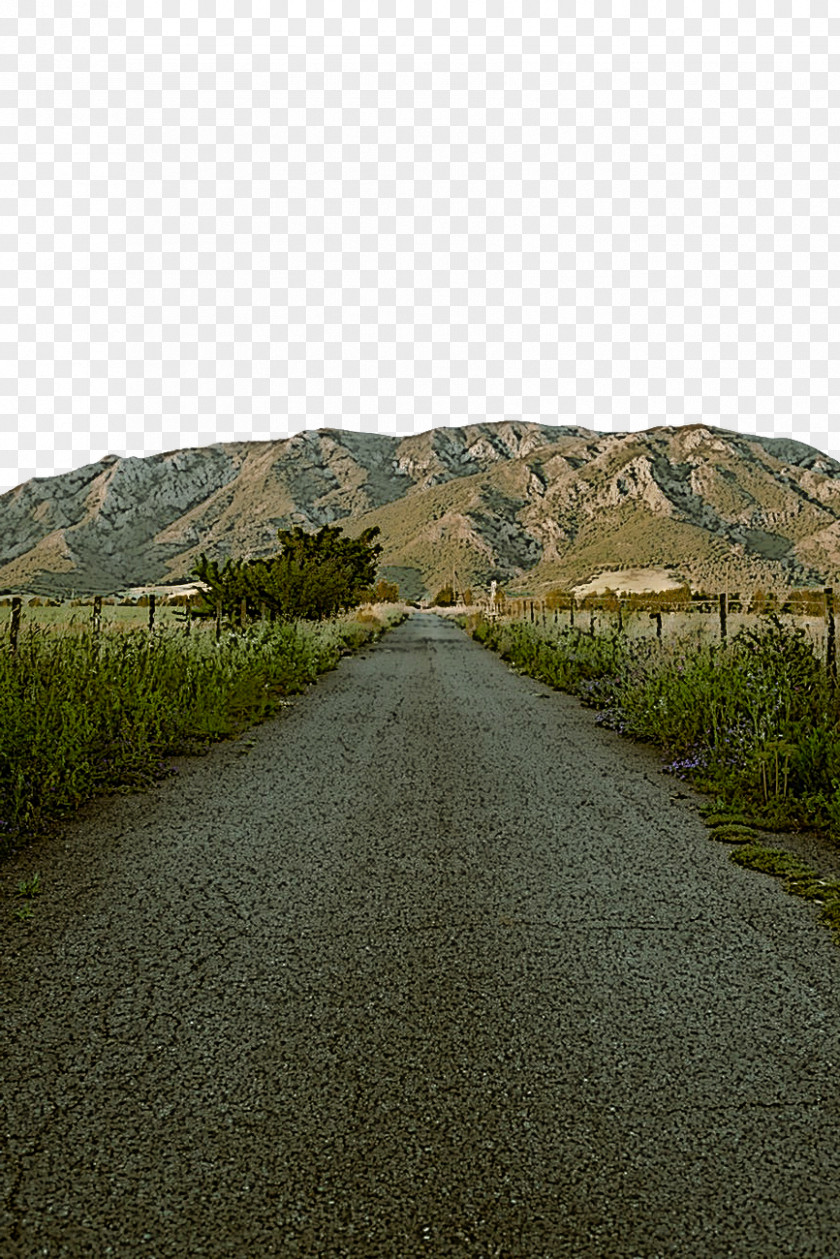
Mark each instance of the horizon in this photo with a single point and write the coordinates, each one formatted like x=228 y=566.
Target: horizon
x=831 y=449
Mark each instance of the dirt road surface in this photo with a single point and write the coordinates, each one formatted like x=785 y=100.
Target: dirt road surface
x=437 y=967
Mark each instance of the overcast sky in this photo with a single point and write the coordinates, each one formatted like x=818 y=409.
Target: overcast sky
x=238 y=227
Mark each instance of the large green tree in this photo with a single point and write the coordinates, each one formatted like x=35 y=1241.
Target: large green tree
x=312 y=576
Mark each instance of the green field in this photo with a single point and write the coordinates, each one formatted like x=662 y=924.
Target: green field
x=66 y=616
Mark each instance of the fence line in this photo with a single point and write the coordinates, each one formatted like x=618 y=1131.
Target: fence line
x=180 y=606
x=809 y=602
x=95 y=602
x=815 y=603
x=812 y=603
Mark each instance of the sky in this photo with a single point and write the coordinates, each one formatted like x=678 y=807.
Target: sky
x=238 y=226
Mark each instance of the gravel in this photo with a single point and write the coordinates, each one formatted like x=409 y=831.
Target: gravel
x=430 y=964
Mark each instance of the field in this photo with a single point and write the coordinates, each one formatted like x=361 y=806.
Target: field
x=83 y=712
x=67 y=617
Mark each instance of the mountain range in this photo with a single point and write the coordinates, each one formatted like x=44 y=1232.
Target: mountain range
x=532 y=506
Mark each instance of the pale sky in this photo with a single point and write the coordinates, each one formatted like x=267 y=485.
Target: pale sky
x=237 y=226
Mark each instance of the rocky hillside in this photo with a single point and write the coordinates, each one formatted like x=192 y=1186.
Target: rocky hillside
x=530 y=505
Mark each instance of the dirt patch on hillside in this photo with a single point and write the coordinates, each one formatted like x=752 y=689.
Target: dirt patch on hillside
x=631 y=581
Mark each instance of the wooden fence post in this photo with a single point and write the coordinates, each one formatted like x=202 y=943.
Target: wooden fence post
x=97 y=613
x=572 y=611
x=830 y=649
x=14 y=629
x=722 y=605
x=243 y=613
x=218 y=621
x=532 y=611
x=620 y=619
x=151 y=613
x=657 y=616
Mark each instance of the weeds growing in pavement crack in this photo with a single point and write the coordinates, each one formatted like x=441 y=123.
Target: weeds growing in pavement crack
x=26 y=890
x=29 y=887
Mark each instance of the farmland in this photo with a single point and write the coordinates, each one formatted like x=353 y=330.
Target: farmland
x=71 y=616
x=681 y=614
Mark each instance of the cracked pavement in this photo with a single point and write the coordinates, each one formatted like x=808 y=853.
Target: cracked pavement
x=430 y=969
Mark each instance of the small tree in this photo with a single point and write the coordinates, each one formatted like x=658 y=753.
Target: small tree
x=445 y=598
x=314 y=575
x=383 y=592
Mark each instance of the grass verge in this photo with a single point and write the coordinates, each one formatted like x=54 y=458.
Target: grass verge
x=798 y=879
x=81 y=714
x=753 y=721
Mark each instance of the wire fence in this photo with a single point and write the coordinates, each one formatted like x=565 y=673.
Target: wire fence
x=718 y=615
x=663 y=615
x=182 y=609
x=51 y=611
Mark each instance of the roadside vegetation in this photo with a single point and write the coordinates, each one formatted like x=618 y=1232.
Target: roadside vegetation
x=85 y=709
x=753 y=721
x=82 y=713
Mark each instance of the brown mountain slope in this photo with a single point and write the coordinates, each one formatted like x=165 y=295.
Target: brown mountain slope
x=525 y=504
x=715 y=507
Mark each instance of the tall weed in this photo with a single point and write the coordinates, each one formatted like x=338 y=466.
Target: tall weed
x=80 y=713
x=755 y=720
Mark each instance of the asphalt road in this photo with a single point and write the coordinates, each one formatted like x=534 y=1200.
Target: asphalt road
x=437 y=967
